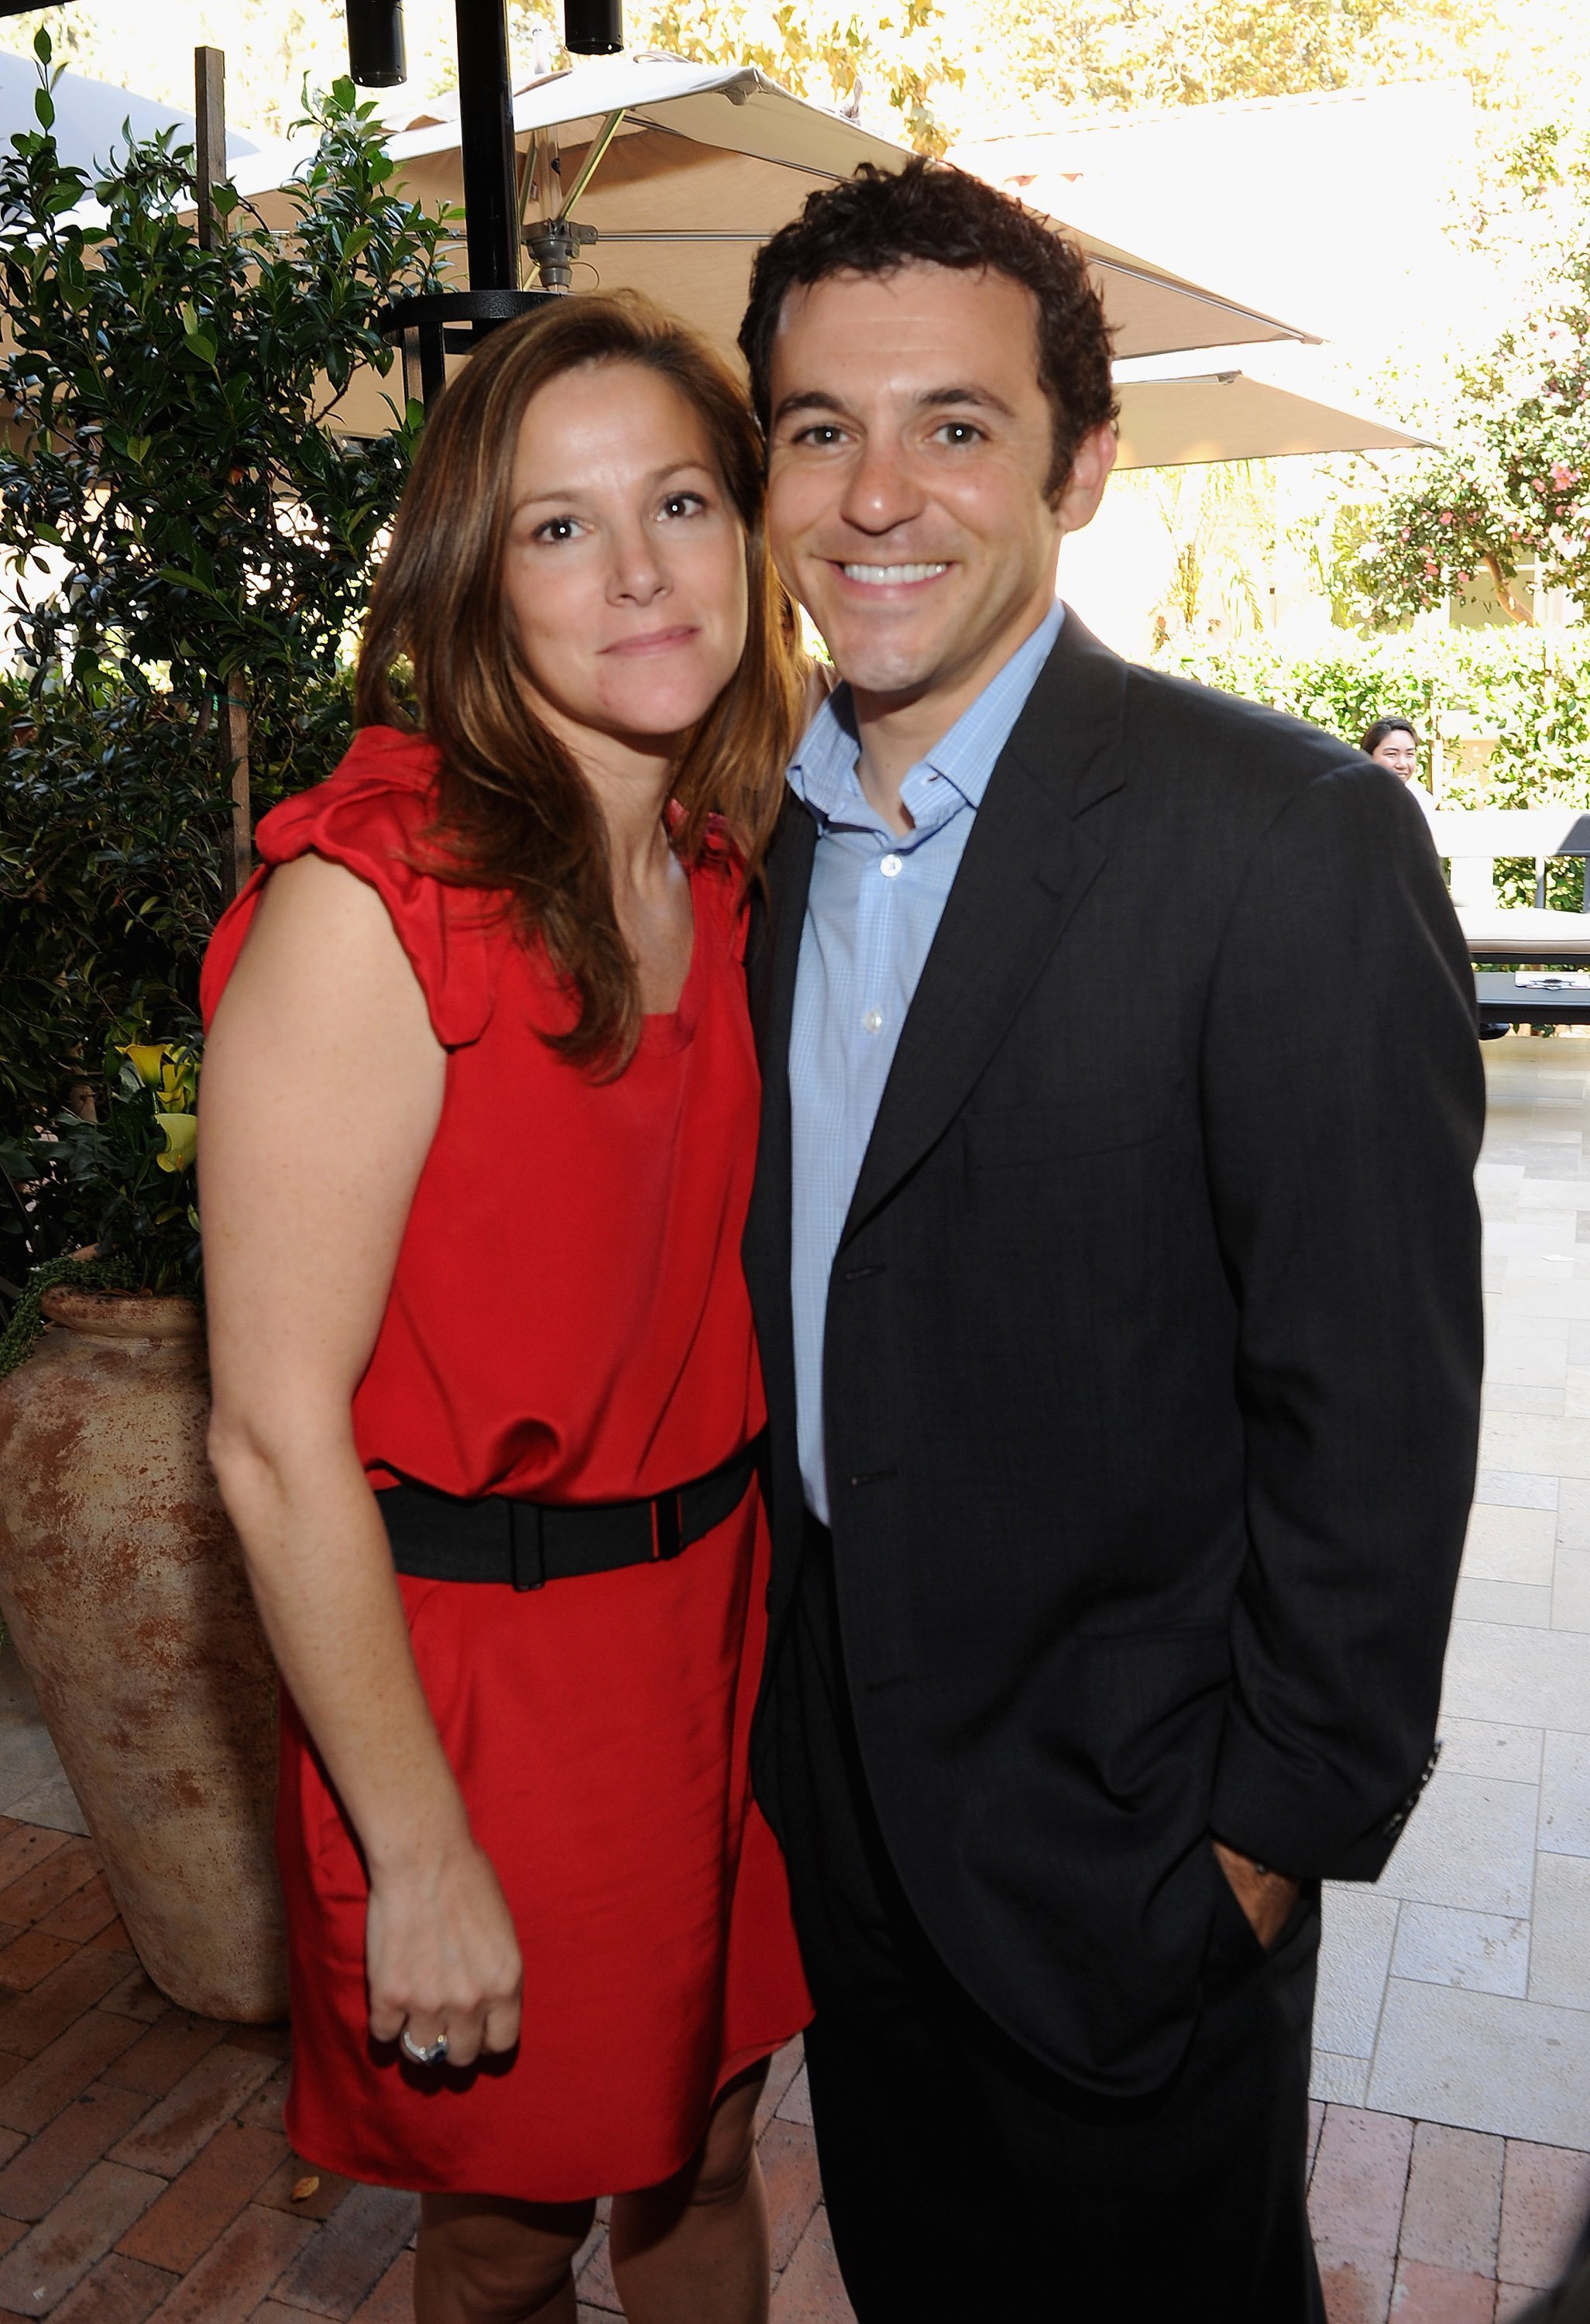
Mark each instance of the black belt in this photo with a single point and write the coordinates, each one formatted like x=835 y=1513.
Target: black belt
x=437 y=1538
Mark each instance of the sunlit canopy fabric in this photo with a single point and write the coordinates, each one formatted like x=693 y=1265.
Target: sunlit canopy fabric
x=1228 y=415
x=709 y=161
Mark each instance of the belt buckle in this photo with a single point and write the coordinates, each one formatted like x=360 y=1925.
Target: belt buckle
x=667 y=1519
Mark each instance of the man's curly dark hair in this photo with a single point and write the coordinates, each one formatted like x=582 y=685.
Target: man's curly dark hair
x=930 y=213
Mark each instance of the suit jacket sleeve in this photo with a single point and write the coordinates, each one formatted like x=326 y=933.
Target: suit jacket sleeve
x=1343 y=1103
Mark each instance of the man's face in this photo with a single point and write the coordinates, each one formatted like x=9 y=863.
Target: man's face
x=911 y=446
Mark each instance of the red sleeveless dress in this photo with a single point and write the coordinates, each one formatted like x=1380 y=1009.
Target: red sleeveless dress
x=567 y=1321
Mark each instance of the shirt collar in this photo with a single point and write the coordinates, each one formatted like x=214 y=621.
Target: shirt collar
x=822 y=772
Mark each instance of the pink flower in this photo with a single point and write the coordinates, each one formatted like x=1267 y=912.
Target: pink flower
x=1562 y=475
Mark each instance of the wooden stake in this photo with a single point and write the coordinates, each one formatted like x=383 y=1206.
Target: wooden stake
x=238 y=858
x=209 y=105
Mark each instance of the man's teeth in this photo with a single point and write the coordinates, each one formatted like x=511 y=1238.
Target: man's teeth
x=880 y=576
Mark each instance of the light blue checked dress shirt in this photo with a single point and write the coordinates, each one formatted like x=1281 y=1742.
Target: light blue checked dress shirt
x=875 y=900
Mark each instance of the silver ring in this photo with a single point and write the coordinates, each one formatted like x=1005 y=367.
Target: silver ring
x=432 y=2054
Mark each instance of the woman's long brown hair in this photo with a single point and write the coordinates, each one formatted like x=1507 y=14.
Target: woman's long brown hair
x=515 y=813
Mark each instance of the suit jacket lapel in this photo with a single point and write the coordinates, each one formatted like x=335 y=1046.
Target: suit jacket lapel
x=1026 y=868
x=772 y=958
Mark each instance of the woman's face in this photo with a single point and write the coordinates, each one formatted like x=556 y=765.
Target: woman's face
x=1399 y=752
x=625 y=568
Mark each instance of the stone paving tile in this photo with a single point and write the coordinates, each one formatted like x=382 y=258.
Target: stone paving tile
x=1565 y=1795
x=1337 y=2080
x=781 y=2071
x=1360 y=1928
x=794 y=2190
x=1452 y=2212
x=593 y=2277
x=1471 y=1844
x=810 y=2290
x=1484 y=1952
x=1360 y=2177
x=1545 y=2196
x=1481 y=1746
x=1357 y=2282
x=1480 y=2060
x=1559 y=1954
x=1426 y=2294
x=796 y=2105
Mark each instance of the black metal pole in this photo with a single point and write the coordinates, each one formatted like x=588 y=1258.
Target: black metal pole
x=485 y=123
x=377 y=58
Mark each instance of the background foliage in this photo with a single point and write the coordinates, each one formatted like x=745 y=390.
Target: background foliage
x=173 y=449
x=1513 y=477
x=1532 y=691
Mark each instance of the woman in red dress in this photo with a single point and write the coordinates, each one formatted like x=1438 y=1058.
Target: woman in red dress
x=478 y=1132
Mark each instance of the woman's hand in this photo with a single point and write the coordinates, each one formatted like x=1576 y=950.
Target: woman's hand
x=442 y=1956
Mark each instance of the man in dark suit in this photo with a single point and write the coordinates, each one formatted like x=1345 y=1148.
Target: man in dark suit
x=1123 y=1352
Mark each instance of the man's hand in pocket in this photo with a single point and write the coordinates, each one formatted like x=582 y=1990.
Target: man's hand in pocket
x=1267 y=1897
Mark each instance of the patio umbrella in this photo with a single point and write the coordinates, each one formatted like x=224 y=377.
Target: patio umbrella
x=92 y=118
x=683 y=169
x=1228 y=415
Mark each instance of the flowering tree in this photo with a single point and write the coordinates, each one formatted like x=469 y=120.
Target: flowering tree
x=1512 y=480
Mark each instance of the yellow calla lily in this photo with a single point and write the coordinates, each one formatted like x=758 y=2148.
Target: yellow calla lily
x=165 y=1068
x=148 y=1060
x=181 y=1136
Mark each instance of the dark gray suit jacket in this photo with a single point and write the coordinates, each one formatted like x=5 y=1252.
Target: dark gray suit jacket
x=1152 y=1353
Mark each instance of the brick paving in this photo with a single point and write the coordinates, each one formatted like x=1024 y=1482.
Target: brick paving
x=143 y=2169
x=144 y=2173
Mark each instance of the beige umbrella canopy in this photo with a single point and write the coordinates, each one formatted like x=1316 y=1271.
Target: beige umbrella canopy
x=683 y=169
x=1228 y=415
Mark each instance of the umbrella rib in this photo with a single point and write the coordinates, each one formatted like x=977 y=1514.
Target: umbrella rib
x=588 y=167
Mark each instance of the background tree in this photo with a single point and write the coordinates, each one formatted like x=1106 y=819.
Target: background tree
x=180 y=515
x=1511 y=482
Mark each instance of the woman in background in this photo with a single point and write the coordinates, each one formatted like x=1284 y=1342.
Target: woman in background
x=478 y=1132
x=1392 y=742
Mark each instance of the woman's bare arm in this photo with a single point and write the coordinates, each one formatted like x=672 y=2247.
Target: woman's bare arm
x=322 y=1090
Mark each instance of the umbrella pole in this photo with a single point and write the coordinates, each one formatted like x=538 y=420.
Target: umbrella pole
x=209 y=104
x=485 y=124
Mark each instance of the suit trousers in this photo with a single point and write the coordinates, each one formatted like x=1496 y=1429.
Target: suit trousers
x=962 y=2175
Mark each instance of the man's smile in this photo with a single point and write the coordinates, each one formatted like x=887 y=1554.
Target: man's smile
x=886 y=577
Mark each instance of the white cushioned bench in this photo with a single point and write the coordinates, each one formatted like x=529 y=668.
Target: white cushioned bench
x=1472 y=839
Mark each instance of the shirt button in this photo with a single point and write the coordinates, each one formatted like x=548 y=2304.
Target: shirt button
x=890 y=867
x=873 y=1021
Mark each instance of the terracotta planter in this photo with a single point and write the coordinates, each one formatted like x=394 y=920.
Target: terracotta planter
x=123 y=1585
